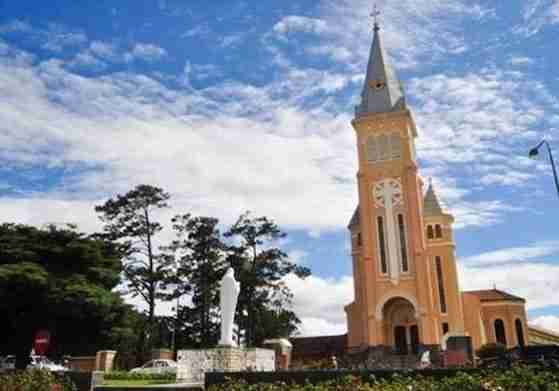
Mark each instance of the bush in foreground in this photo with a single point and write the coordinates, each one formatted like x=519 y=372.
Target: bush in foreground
x=516 y=379
x=35 y=380
x=122 y=375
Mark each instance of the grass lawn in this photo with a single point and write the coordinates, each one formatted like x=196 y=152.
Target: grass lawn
x=135 y=383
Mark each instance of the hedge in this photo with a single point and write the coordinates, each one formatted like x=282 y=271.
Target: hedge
x=35 y=380
x=122 y=375
x=515 y=379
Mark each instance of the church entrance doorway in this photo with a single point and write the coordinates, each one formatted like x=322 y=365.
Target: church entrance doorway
x=400 y=340
x=401 y=331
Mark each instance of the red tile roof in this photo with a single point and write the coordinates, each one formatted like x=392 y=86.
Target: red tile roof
x=495 y=295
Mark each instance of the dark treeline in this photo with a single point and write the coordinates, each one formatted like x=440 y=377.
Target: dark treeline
x=72 y=284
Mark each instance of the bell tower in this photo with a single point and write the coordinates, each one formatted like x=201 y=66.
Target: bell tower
x=394 y=304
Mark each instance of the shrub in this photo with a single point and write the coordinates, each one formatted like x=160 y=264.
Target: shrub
x=515 y=379
x=122 y=375
x=35 y=380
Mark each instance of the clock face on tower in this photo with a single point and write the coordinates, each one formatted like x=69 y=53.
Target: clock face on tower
x=387 y=191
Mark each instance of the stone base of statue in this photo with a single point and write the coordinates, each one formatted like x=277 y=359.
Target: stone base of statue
x=193 y=364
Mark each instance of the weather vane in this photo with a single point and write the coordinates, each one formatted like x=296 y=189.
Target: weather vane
x=375 y=15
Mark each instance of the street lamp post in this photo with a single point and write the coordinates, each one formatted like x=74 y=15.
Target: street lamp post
x=534 y=152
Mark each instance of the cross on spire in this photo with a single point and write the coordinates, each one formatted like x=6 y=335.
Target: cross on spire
x=375 y=15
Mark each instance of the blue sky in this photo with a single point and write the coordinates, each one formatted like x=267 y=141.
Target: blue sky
x=247 y=105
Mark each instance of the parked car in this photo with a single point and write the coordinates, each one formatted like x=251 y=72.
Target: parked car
x=42 y=362
x=158 y=366
x=9 y=362
x=38 y=362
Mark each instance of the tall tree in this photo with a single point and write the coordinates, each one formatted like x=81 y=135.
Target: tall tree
x=261 y=268
x=60 y=280
x=129 y=220
x=200 y=259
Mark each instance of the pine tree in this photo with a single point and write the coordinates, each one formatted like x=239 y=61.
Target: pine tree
x=129 y=221
x=261 y=268
x=199 y=254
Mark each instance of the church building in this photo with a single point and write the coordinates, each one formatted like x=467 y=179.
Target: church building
x=406 y=284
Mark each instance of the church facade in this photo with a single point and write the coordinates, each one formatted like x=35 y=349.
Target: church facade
x=406 y=286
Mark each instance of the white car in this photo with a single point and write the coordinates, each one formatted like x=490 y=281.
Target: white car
x=158 y=366
x=9 y=362
x=41 y=362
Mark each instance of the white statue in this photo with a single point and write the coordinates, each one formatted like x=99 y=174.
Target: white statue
x=425 y=361
x=228 y=295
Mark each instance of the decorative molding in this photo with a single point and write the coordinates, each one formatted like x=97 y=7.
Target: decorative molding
x=395 y=294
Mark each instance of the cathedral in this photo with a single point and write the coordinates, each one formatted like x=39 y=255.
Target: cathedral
x=406 y=288
x=406 y=284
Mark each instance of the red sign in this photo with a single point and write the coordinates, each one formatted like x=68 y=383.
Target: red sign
x=42 y=342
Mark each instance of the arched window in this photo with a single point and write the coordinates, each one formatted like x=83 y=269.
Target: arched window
x=382 y=245
x=403 y=245
x=440 y=283
x=438 y=231
x=383 y=147
x=430 y=234
x=519 y=332
x=395 y=146
x=500 y=336
x=372 y=149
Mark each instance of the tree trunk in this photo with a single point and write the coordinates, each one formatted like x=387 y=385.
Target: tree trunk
x=24 y=347
x=152 y=286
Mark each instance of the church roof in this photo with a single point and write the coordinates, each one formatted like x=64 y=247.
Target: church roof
x=355 y=218
x=431 y=204
x=495 y=295
x=382 y=91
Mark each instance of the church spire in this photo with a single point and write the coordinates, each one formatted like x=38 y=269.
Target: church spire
x=431 y=204
x=382 y=91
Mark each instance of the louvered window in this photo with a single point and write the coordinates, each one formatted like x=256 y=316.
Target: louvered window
x=442 y=298
x=382 y=245
x=403 y=250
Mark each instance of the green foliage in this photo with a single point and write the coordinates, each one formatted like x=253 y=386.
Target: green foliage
x=199 y=254
x=122 y=375
x=515 y=379
x=34 y=380
x=61 y=280
x=129 y=221
x=261 y=267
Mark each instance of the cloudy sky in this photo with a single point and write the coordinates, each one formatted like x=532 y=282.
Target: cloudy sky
x=243 y=105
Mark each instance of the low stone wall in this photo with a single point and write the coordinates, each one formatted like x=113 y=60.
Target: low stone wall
x=193 y=364
x=82 y=363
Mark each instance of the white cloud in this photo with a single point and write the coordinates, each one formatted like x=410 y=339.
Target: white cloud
x=232 y=40
x=100 y=52
x=521 y=60
x=319 y=303
x=54 y=37
x=549 y=322
x=104 y=50
x=416 y=33
x=86 y=60
x=200 y=30
x=295 y=23
x=297 y=256
x=538 y=14
x=134 y=130
x=15 y=26
x=532 y=281
x=311 y=327
x=513 y=254
x=147 y=52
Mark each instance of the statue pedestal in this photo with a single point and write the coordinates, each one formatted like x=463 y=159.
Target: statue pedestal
x=193 y=364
